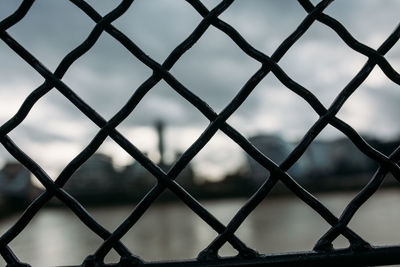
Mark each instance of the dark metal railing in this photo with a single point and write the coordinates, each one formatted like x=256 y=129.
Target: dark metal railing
x=359 y=253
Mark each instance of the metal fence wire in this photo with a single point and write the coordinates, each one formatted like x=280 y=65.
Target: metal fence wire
x=359 y=253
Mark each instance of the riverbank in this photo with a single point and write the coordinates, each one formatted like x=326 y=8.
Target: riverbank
x=9 y=207
x=230 y=189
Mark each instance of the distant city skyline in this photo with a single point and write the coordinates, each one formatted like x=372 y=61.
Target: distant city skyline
x=214 y=69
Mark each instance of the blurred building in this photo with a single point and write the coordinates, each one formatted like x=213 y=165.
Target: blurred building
x=186 y=176
x=97 y=179
x=136 y=179
x=96 y=176
x=276 y=149
x=322 y=160
x=15 y=183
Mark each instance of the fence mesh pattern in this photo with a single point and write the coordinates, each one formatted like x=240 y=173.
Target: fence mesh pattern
x=360 y=251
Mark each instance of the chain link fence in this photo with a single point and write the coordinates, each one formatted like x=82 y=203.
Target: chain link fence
x=360 y=252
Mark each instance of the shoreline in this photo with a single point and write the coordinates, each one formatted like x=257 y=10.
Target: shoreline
x=216 y=191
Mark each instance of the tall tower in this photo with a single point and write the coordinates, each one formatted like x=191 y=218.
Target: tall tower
x=160 y=131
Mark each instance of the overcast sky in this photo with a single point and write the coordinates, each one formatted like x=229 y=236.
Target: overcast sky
x=214 y=69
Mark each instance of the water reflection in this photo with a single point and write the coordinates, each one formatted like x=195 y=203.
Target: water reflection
x=173 y=231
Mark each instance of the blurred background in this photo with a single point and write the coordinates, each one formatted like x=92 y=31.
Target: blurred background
x=164 y=125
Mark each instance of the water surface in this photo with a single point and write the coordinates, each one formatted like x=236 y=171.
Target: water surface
x=173 y=231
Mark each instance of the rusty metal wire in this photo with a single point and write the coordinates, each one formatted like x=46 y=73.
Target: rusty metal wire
x=359 y=253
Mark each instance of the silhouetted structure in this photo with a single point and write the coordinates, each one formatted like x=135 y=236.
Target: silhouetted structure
x=335 y=164
x=159 y=125
x=98 y=182
x=16 y=189
x=274 y=148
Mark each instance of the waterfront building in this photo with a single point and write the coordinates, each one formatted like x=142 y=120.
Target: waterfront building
x=276 y=149
x=96 y=176
x=15 y=183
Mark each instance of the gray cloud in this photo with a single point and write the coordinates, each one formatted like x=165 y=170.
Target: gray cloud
x=214 y=69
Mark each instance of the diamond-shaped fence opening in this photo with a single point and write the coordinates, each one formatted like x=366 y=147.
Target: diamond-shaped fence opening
x=359 y=253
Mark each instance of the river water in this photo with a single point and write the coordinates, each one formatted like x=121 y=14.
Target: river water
x=173 y=231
